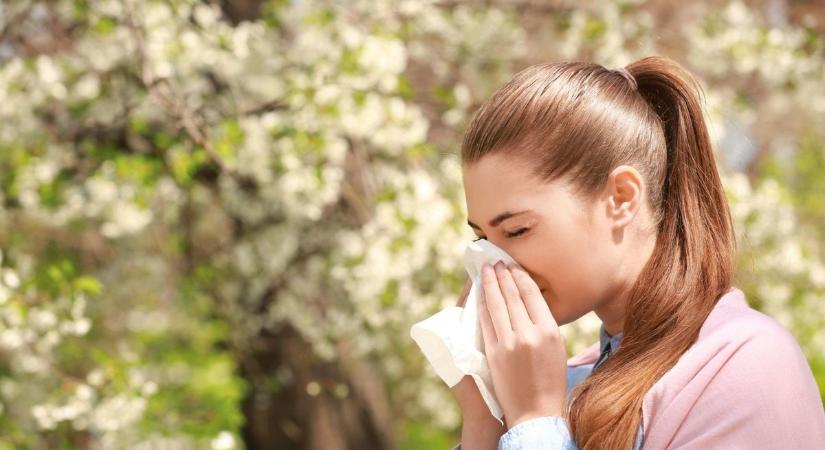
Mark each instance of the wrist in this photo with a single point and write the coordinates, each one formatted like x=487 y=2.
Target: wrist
x=482 y=422
x=481 y=432
x=480 y=416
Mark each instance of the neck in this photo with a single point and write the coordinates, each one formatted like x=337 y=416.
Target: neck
x=612 y=314
x=612 y=310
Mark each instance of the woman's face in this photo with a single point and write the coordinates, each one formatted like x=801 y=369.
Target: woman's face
x=573 y=250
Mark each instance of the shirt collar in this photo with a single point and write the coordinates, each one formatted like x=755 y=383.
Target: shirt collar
x=614 y=340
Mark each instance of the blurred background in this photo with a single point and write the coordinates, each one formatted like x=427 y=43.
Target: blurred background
x=219 y=219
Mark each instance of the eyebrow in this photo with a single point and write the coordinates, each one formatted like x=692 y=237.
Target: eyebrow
x=500 y=218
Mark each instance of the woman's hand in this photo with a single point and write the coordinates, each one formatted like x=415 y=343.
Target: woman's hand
x=524 y=348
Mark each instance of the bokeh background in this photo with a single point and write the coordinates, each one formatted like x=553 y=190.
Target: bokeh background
x=219 y=219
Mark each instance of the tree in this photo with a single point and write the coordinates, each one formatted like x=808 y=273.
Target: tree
x=218 y=225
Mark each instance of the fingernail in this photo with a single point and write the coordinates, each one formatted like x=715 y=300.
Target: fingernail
x=499 y=265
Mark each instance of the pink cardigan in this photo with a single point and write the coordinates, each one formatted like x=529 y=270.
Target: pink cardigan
x=744 y=384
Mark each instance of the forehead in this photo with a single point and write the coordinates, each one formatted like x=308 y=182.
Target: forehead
x=497 y=183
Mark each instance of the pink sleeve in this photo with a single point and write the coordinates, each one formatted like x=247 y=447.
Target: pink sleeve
x=763 y=396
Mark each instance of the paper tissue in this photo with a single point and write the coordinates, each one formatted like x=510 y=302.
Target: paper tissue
x=451 y=339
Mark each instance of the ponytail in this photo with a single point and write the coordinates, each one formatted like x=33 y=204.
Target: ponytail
x=693 y=197
x=690 y=268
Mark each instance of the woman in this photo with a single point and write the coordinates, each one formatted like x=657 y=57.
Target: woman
x=602 y=185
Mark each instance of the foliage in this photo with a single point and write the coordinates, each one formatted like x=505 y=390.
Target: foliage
x=174 y=186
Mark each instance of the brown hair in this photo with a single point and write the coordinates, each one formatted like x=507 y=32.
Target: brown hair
x=580 y=120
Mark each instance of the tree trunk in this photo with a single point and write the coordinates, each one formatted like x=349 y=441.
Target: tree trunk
x=324 y=406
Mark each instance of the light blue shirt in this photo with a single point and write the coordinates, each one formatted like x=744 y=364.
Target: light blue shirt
x=552 y=432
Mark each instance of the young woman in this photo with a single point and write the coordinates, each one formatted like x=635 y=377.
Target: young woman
x=602 y=185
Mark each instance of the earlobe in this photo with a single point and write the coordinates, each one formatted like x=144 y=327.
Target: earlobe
x=622 y=211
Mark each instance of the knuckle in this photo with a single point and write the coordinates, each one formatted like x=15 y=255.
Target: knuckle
x=530 y=340
x=519 y=275
x=508 y=345
x=512 y=291
x=551 y=333
x=489 y=284
x=491 y=352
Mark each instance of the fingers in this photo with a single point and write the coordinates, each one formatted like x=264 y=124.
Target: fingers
x=495 y=304
x=488 y=332
x=531 y=295
x=519 y=319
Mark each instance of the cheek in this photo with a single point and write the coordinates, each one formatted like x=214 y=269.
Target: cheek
x=559 y=271
x=560 y=259
x=569 y=273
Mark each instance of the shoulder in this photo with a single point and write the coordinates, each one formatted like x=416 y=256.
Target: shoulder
x=734 y=385
x=746 y=335
x=760 y=351
x=737 y=341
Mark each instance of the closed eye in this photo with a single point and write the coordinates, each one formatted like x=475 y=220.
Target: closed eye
x=516 y=233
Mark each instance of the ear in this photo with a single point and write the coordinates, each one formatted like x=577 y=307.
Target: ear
x=625 y=190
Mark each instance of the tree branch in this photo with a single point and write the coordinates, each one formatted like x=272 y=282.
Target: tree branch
x=161 y=90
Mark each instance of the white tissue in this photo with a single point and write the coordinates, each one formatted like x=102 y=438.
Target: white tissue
x=451 y=338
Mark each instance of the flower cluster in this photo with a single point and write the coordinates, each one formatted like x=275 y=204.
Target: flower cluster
x=179 y=192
